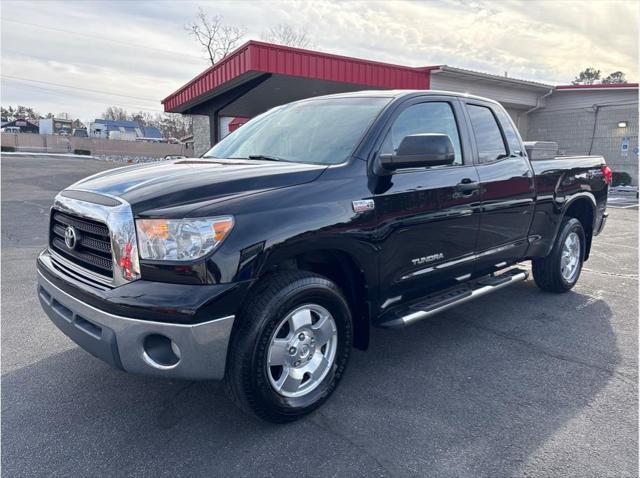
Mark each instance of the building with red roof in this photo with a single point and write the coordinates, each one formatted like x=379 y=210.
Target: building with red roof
x=582 y=119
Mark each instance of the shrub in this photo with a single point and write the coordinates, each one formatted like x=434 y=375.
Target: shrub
x=621 y=178
x=84 y=152
x=8 y=149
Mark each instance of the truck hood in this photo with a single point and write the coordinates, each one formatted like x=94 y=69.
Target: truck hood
x=189 y=181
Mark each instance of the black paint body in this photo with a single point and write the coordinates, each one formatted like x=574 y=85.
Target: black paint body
x=284 y=210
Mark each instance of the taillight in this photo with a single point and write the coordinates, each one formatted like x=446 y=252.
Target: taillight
x=608 y=174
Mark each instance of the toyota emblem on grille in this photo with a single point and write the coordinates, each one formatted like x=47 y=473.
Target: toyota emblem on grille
x=70 y=237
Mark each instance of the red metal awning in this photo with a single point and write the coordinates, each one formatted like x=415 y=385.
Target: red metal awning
x=260 y=57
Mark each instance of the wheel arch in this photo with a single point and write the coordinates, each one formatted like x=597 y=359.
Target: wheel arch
x=345 y=267
x=583 y=207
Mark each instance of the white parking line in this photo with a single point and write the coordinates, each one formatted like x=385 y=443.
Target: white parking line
x=617 y=202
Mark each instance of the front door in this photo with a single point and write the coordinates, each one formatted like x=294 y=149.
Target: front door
x=427 y=217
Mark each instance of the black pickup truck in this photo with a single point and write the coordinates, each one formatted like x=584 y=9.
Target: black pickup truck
x=264 y=261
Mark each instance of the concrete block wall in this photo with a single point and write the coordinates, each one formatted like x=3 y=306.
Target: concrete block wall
x=201 y=134
x=573 y=130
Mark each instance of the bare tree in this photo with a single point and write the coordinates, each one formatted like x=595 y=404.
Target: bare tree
x=21 y=112
x=284 y=34
x=216 y=38
x=115 y=113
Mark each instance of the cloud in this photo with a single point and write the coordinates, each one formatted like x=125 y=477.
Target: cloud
x=141 y=49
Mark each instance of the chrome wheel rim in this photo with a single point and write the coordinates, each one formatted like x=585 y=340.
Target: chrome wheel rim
x=302 y=350
x=570 y=259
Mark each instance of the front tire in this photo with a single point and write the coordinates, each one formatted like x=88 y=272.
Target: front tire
x=290 y=346
x=560 y=270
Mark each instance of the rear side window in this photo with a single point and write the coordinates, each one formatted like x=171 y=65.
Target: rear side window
x=431 y=117
x=487 y=132
x=510 y=133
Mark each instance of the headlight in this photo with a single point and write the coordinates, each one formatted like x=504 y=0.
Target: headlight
x=181 y=239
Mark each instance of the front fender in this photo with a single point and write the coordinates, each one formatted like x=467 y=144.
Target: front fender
x=273 y=226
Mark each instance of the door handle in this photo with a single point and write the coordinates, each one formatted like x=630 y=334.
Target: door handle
x=467 y=186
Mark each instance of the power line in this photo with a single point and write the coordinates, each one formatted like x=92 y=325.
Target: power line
x=97 y=102
x=80 y=65
x=9 y=77
x=108 y=40
x=84 y=66
x=59 y=95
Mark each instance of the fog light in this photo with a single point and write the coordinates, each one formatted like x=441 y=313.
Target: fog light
x=160 y=352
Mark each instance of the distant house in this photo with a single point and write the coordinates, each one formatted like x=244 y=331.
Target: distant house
x=25 y=126
x=151 y=132
x=55 y=126
x=106 y=129
x=120 y=129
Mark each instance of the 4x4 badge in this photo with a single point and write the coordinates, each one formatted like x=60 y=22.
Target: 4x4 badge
x=363 y=205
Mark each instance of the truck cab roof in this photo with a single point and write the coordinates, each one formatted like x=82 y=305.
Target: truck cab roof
x=398 y=94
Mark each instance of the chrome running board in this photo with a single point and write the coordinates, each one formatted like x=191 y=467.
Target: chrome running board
x=441 y=301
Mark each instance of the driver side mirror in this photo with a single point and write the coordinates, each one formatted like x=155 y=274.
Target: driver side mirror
x=419 y=151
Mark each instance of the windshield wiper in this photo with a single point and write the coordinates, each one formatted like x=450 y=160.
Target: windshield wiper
x=265 y=157
x=262 y=157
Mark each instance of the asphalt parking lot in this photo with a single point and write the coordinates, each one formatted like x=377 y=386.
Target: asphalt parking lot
x=520 y=383
x=623 y=200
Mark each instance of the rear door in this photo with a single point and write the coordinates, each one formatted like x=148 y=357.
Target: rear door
x=427 y=217
x=506 y=182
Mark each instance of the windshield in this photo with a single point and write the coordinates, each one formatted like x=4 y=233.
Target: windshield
x=322 y=131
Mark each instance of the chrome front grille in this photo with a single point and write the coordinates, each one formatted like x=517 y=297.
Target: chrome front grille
x=92 y=250
x=102 y=248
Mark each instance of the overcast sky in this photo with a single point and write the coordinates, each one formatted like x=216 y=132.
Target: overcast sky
x=140 y=50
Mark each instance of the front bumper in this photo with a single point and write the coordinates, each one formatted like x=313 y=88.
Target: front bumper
x=189 y=351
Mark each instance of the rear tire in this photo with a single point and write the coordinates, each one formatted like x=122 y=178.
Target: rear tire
x=290 y=346
x=560 y=270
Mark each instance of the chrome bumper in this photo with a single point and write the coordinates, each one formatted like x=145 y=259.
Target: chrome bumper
x=138 y=346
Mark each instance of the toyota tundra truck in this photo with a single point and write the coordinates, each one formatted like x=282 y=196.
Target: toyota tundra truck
x=263 y=262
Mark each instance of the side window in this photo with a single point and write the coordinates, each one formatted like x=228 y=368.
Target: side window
x=513 y=140
x=487 y=133
x=432 y=117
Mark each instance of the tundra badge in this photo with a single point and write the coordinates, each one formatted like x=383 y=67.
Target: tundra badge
x=427 y=259
x=363 y=205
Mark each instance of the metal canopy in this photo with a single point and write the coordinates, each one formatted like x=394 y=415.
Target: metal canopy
x=292 y=73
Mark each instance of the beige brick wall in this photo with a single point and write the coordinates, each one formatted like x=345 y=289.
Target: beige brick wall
x=98 y=147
